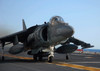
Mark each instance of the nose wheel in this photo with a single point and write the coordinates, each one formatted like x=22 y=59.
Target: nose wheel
x=50 y=59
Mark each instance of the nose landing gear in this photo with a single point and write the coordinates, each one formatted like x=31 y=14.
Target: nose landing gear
x=50 y=59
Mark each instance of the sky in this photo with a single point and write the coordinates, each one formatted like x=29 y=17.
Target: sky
x=82 y=15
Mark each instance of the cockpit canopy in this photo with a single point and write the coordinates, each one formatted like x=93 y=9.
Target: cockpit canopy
x=57 y=20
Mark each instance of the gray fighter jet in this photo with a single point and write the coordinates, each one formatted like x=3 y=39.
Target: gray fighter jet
x=40 y=40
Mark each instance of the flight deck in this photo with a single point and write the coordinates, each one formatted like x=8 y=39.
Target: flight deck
x=76 y=62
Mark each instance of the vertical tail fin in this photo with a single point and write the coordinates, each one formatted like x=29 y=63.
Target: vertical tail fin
x=24 y=26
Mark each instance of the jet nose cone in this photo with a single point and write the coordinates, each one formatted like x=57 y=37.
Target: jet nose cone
x=69 y=31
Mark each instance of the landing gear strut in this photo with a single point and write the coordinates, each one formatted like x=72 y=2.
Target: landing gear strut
x=50 y=57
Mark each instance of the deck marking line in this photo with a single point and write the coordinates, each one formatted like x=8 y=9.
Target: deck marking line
x=19 y=57
x=76 y=66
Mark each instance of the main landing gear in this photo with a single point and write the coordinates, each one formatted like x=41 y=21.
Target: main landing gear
x=40 y=58
x=36 y=57
x=40 y=55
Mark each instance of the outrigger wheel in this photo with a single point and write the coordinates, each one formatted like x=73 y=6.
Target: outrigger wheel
x=3 y=58
x=50 y=59
x=67 y=57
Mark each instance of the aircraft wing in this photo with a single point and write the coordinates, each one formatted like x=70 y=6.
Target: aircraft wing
x=79 y=42
x=22 y=35
x=9 y=38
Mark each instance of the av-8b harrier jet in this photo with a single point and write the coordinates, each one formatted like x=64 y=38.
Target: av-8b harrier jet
x=40 y=40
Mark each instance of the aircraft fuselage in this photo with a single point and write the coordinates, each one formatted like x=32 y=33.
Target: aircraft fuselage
x=49 y=34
